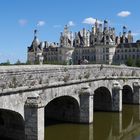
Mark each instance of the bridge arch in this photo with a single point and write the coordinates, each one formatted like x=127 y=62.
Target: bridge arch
x=127 y=94
x=102 y=99
x=11 y=125
x=63 y=108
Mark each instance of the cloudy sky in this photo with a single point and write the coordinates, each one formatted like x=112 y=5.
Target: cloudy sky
x=19 y=18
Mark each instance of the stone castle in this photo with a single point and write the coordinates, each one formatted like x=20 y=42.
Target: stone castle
x=100 y=45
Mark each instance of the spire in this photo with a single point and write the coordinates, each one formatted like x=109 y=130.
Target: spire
x=35 y=33
x=96 y=26
x=36 y=41
x=124 y=30
x=105 y=24
x=66 y=30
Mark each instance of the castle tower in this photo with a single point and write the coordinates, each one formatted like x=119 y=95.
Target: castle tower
x=96 y=26
x=92 y=30
x=88 y=38
x=84 y=37
x=66 y=38
x=124 y=30
x=71 y=38
x=130 y=37
x=124 y=34
x=100 y=28
x=113 y=36
x=36 y=40
x=105 y=25
x=76 y=40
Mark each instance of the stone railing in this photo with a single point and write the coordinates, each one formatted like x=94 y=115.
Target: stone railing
x=13 y=77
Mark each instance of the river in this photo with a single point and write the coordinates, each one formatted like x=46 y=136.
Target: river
x=106 y=126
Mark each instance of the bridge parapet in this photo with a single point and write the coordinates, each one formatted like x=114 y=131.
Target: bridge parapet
x=13 y=77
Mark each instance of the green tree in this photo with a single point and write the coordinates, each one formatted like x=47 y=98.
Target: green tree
x=138 y=62
x=6 y=63
x=129 y=62
x=18 y=62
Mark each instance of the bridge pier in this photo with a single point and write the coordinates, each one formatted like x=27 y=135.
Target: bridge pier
x=116 y=97
x=86 y=105
x=34 y=119
x=136 y=93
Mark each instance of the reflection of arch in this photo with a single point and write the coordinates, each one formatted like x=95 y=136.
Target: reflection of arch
x=102 y=99
x=64 y=108
x=127 y=94
x=11 y=125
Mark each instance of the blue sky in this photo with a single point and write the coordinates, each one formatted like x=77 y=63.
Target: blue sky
x=19 y=18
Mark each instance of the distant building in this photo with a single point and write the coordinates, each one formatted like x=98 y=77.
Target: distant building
x=100 y=45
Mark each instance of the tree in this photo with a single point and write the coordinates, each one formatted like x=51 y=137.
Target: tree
x=18 y=62
x=129 y=62
x=6 y=63
x=138 y=62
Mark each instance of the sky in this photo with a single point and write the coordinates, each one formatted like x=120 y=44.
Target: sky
x=19 y=19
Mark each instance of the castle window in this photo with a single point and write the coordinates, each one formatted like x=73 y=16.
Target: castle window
x=103 y=57
x=103 y=50
x=107 y=50
x=107 y=37
x=107 y=57
x=125 y=56
x=133 y=56
x=122 y=57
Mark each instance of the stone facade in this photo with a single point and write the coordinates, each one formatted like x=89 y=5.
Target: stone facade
x=100 y=46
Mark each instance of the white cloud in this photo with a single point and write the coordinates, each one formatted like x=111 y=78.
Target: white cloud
x=57 y=26
x=135 y=34
x=22 y=22
x=91 y=21
x=41 y=23
x=71 y=23
x=124 y=13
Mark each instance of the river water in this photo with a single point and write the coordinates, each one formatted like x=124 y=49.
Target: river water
x=106 y=126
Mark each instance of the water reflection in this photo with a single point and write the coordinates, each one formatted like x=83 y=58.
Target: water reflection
x=106 y=126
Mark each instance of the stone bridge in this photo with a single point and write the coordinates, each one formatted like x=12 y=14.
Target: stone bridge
x=30 y=95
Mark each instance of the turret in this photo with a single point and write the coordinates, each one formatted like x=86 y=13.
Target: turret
x=66 y=39
x=100 y=28
x=84 y=36
x=66 y=30
x=96 y=27
x=105 y=25
x=124 y=30
x=92 y=30
x=124 y=34
x=36 y=41
x=71 y=38
x=130 y=37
